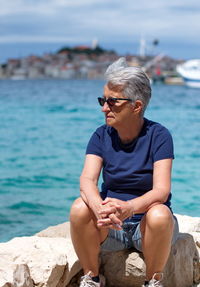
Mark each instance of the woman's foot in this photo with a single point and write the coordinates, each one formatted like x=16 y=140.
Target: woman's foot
x=86 y=281
x=153 y=282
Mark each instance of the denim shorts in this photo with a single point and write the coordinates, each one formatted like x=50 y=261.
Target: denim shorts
x=129 y=237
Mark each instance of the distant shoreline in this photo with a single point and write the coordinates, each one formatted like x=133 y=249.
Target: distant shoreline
x=83 y=62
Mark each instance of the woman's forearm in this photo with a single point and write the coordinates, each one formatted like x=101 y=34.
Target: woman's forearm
x=143 y=203
x=90 y=193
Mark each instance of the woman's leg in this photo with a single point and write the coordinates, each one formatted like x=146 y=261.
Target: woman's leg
x=157 y=230
x=86 y=237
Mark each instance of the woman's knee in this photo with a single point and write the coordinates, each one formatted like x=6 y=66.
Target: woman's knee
x=159 y=216
x=79 y=212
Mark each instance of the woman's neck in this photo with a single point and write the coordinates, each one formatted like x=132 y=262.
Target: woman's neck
x=129 y=133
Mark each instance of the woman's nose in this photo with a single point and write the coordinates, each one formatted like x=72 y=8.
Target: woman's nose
x=105 y=107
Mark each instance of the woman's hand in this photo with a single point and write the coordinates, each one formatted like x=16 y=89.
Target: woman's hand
x=109 y=215
x=115 y=211
x=101 y=211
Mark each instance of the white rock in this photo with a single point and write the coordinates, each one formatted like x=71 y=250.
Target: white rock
x=60 y=230
x=49 y=260
x=43 y=261
x=22 y=277
x=188 y=223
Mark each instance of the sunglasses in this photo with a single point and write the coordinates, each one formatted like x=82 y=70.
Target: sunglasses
x=111 y=101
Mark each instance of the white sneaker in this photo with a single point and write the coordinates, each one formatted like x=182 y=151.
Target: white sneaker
x=155 y=283
x=86 y=281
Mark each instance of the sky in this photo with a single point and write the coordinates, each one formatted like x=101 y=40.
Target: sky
x=39 y=26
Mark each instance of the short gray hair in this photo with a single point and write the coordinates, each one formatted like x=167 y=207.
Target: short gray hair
x=135 y=83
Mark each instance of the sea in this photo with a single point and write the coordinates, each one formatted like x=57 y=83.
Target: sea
x=44 y=129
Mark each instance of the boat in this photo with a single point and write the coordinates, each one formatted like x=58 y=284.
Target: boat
x=190 y=72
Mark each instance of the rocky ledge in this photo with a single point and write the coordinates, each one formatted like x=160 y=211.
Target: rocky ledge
x=48 y=259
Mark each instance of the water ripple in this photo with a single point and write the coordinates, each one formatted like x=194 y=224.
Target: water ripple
x=45 y=127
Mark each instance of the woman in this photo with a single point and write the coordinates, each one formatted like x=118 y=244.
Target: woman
x=133 y=207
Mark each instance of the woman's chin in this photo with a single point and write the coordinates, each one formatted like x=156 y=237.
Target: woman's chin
x=109 y=121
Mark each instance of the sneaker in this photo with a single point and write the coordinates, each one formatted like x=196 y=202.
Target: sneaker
x=86 y=281
x=153 y=282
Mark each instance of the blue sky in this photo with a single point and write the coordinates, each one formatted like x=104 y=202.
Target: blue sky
x=37 y=26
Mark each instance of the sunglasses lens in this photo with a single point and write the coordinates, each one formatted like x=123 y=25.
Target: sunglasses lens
x=101 y=101
x=111 y=101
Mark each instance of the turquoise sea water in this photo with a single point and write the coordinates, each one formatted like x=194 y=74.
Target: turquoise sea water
x=44 y=129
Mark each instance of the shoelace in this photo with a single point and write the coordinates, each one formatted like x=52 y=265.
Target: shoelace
x=86 y=281
x=155 y=283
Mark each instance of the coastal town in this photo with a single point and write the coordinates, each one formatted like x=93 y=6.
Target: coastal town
x=84 y=62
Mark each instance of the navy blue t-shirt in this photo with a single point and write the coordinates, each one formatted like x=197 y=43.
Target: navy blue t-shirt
x=128 y=168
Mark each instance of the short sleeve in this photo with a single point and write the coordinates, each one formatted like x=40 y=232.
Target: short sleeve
x=163 y=144
x=94 y=144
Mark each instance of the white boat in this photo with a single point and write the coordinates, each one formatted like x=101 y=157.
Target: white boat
x=190 y=72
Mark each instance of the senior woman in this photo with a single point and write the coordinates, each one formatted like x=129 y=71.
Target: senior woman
x=133 y=207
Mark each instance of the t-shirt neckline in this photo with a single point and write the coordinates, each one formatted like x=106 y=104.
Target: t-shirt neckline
x=131 y=144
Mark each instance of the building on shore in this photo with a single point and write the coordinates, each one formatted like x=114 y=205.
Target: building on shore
x=83 y=62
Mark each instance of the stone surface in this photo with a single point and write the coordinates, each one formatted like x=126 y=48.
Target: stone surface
x=30 y=261
x=188 y=224
x=48 y=259
x=60 y=230
x=22 y=276
x=123 y=268
x=182 y=270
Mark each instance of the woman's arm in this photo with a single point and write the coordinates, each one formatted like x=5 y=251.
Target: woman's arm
x=89 y=182
x=161 y=187
x=89 y=188
x=158 y=194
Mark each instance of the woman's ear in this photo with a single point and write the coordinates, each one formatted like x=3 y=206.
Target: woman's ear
x=138 y=106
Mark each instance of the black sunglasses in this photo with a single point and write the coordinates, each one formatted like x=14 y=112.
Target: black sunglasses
x=111 y=101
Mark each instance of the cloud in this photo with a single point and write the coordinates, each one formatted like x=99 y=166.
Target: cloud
x=82 y=20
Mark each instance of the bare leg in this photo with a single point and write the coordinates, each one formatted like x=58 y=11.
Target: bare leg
x=86 y=237
x=157 y=230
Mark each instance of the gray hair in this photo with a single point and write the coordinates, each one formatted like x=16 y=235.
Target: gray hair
x=135 y=83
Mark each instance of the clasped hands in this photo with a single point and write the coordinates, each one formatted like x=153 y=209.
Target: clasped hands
x=113 y=212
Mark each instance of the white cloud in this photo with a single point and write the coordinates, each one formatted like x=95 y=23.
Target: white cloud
x=54 y=20
x=40 y=7
x=36 y=39
x=20 y=7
